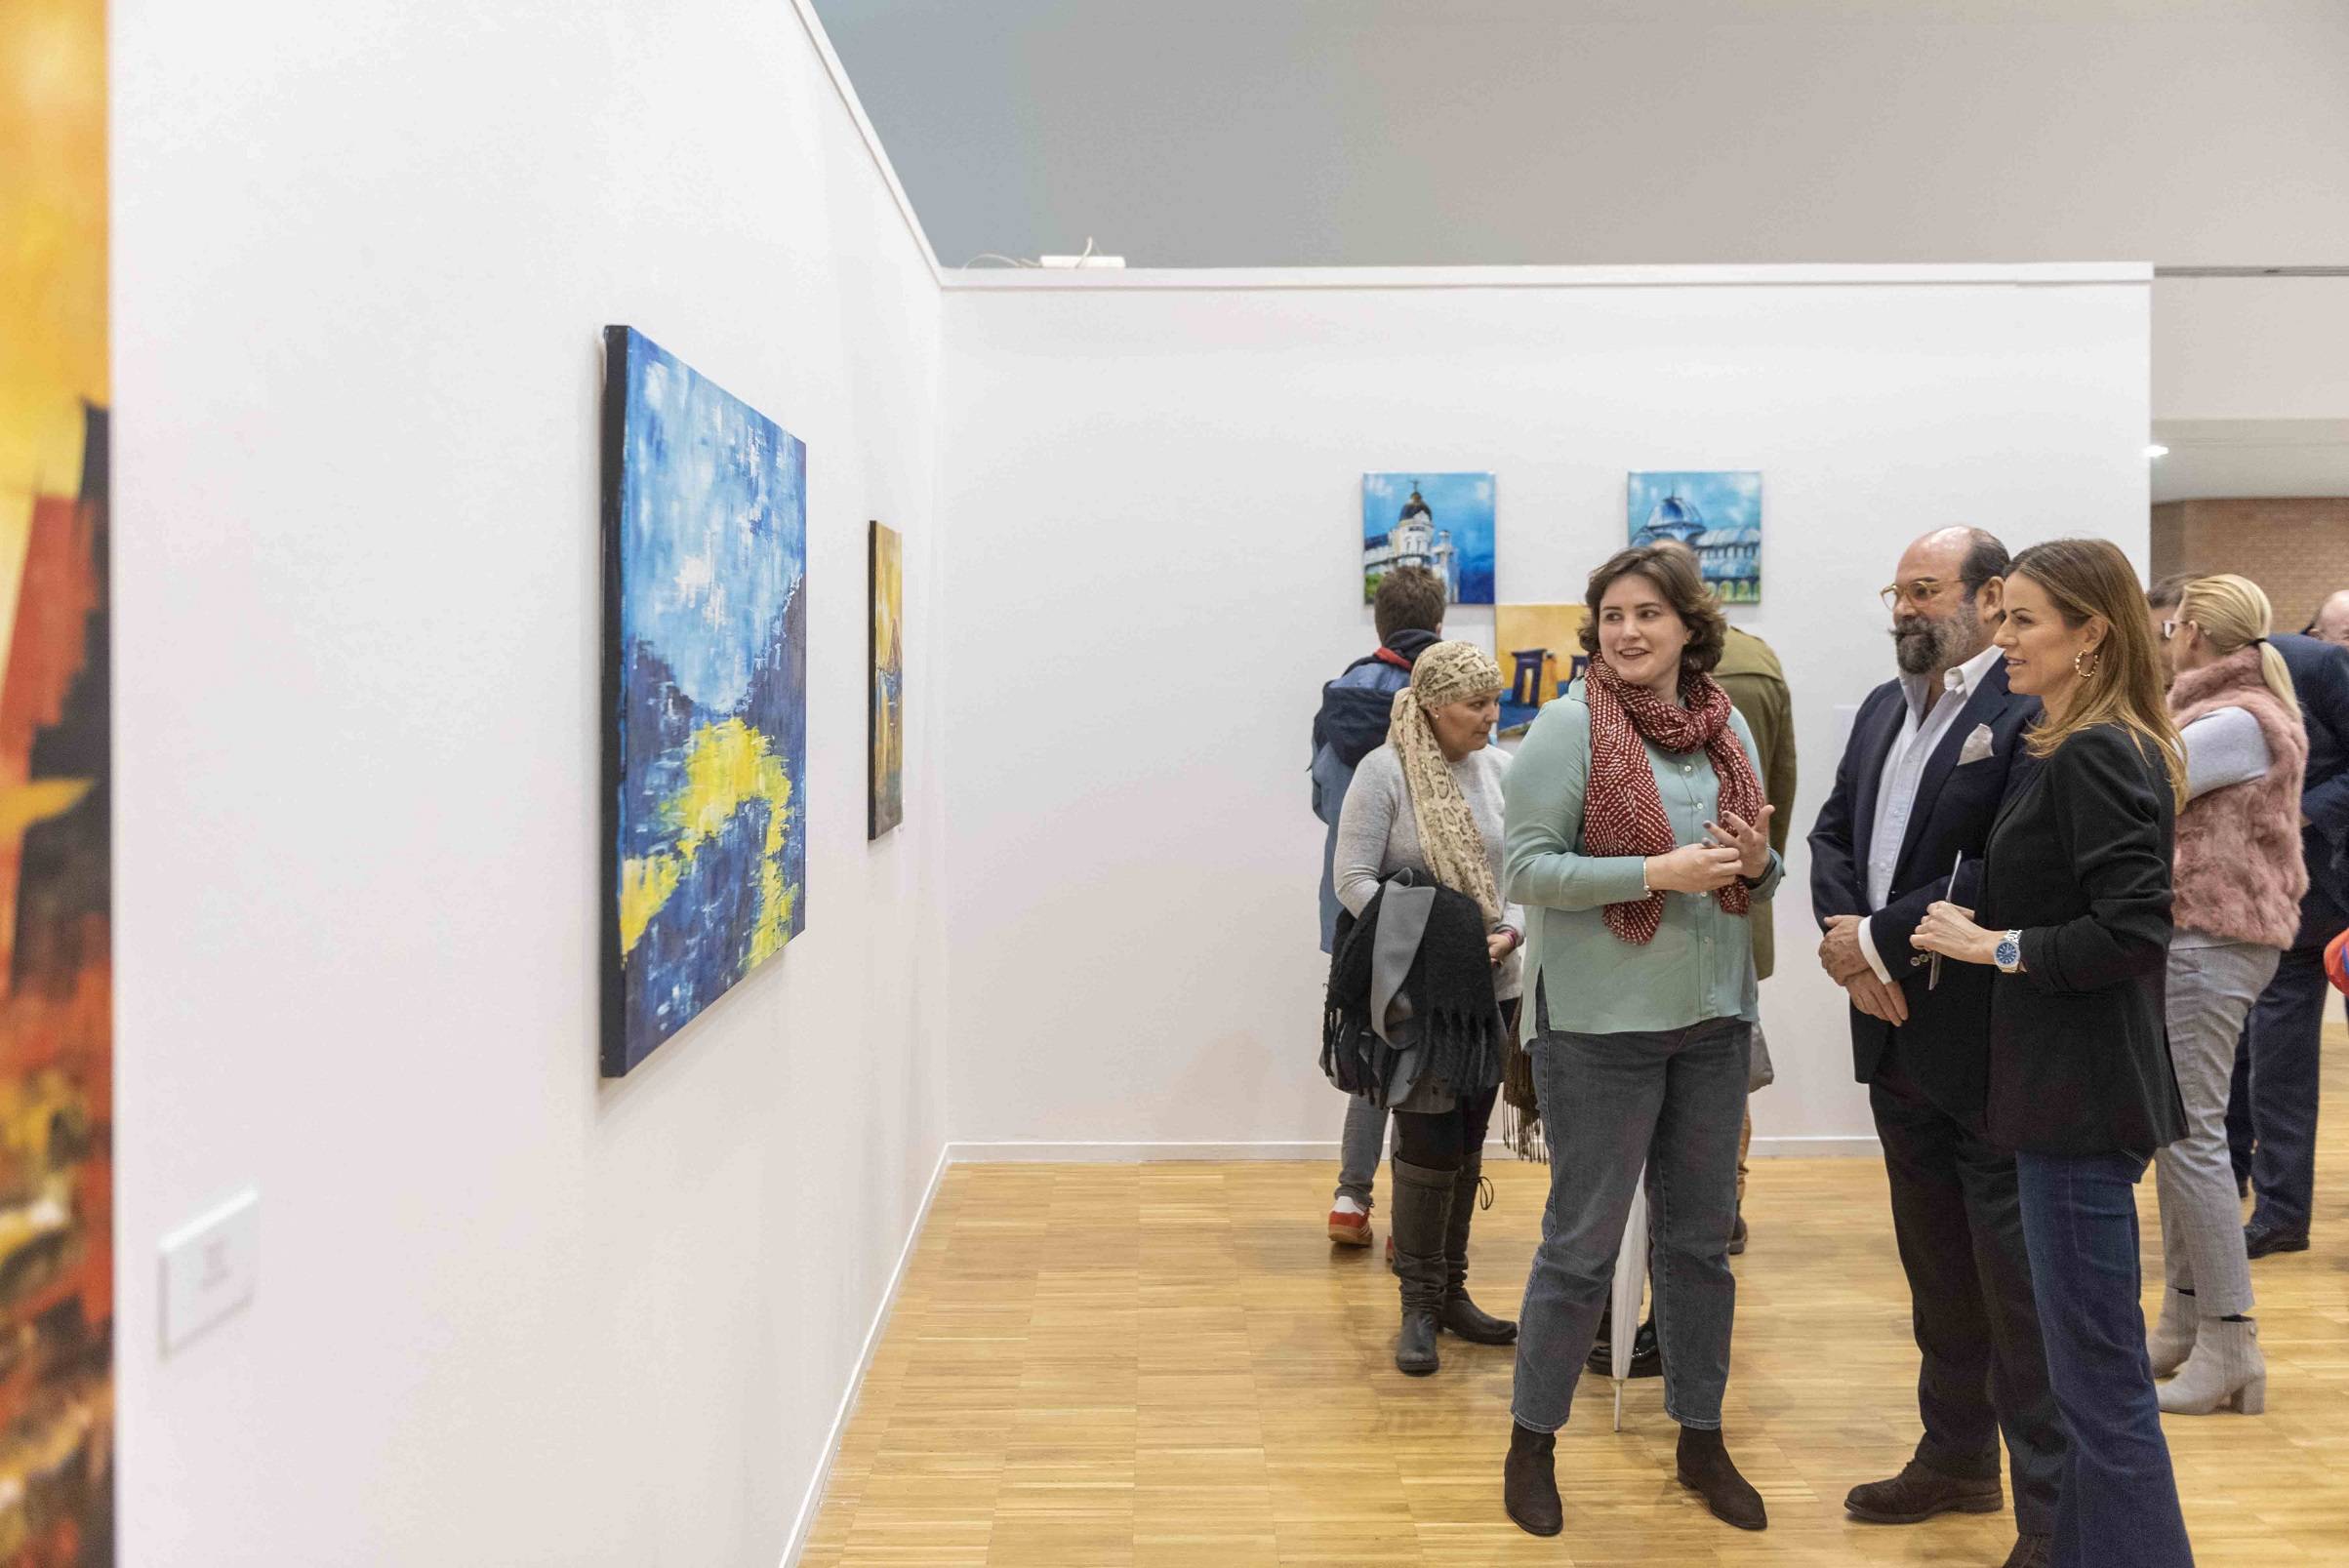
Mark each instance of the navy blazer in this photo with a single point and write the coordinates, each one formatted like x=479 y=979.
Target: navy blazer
x=2320 y=677
x=1955 y=804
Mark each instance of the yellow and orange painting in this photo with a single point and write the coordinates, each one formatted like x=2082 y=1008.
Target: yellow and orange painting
x=1539 y=647
x=57 y=1273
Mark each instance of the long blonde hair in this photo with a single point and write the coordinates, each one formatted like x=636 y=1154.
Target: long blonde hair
x=2232 y=611
x=2090 y=577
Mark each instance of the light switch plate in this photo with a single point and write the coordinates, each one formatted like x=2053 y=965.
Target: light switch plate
x=209 y=1267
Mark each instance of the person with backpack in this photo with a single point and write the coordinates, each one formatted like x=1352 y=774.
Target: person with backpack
x=1355 y=712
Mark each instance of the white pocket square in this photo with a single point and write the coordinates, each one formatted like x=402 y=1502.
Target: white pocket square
x=1977 y=746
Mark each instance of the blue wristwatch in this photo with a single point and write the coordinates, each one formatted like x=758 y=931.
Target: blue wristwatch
x=2010 y=953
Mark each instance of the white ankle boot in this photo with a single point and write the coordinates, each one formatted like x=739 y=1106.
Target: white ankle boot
x=2172 y=1338
x=2225 y=1369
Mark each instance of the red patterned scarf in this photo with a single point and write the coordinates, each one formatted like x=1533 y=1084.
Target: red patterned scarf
x=1622 y=814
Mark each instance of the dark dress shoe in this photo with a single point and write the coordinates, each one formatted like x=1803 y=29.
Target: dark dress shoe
x=1705 y=1468
x=2258 y=1240
x=1919 y=1492
x=1530 y=1482
x=1647 y=1356
x=2032 y=1551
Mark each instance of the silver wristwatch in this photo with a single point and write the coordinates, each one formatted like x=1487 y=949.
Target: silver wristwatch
x=2010 y=953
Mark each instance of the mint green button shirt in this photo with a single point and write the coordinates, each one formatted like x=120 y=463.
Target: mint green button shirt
x=1701 y=963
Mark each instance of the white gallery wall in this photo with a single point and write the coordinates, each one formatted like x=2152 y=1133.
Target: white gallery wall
x=507 y=1314
x=1151 y=546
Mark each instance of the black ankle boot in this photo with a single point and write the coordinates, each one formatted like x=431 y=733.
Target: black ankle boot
x=1461 y=1315
x=1705 y=1469
x=1530 y=1482
x=1423 y=1203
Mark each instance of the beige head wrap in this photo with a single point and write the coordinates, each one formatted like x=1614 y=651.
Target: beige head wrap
x=1447 y=672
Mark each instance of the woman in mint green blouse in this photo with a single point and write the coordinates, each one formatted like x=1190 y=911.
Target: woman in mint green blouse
x=1637 y=839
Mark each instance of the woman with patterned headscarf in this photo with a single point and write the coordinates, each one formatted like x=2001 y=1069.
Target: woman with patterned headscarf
x=1418 y=870
x=1638 y=839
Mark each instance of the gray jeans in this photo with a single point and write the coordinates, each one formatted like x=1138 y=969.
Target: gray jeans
x=1675 y=1099
x=2210 y=992
x=1359 y=1150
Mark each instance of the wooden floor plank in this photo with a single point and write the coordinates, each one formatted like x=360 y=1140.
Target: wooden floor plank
x=1165 y=1365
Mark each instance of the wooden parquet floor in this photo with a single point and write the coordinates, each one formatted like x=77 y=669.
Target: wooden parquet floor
x=1093 y=1366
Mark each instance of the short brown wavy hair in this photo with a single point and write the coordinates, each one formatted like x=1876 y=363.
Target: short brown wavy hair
x=1409 y=598
x=1672 y=568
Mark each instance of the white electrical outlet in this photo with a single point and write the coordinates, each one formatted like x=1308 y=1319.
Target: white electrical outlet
x=209 y=1267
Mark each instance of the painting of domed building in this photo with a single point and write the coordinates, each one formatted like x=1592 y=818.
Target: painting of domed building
x=1718 y=515
x=1440 y=521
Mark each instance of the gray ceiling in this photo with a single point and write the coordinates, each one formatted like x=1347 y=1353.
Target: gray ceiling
x=1208 y=133
x=2209 y=458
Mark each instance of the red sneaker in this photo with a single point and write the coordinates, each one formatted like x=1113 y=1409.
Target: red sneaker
x=1347 y=1229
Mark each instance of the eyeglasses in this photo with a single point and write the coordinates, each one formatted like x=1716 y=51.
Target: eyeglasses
x=2170 y=628
x=1921 y=590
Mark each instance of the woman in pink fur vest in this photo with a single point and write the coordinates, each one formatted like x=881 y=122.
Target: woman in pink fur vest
x=2239 y=879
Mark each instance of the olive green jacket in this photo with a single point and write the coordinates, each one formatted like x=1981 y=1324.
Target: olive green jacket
x=1756 y=686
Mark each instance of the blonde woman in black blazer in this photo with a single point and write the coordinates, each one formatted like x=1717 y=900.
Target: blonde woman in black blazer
x=2074 y=912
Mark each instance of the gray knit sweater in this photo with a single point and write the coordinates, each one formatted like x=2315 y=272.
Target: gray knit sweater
x=1378 y=836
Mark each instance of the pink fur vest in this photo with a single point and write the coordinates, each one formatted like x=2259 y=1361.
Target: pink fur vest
x=2239 y=871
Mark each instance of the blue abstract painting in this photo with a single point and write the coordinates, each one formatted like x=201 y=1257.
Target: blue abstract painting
x=704 y=519
x=1717 y=514
x=1440 y=521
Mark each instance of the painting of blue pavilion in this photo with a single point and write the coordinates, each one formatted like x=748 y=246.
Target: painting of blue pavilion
x=705 y=832
x=1440 y=521
x=1718 y=515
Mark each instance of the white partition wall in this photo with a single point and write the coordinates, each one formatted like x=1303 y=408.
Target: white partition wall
x=507 y=1314
x=1149 y=535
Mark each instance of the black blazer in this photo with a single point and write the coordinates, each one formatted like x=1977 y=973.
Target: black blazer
x=2320 y=677
x=1948 y=1058
x=2079 y=859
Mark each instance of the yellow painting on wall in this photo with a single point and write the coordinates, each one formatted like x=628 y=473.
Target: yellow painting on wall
x=1539 y=647
x=57 y=1080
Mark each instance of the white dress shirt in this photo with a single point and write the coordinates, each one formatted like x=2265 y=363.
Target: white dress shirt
x=1904 y=768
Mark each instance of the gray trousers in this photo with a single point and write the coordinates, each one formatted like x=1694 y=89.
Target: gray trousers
x=1359 y=1148
x=1671 y=1100
x=2210 y=992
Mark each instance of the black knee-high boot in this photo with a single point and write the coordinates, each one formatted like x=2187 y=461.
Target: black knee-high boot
x=1423 y=1206
x=1461 y=1315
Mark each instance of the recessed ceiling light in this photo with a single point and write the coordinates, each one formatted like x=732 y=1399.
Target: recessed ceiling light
x=2157 y=450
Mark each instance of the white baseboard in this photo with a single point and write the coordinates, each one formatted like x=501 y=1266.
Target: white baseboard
x=812 y=1503
x=1107 y=1152
x=1826 y=1147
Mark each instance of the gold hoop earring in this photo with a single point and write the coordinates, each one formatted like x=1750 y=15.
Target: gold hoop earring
x=2094 y=657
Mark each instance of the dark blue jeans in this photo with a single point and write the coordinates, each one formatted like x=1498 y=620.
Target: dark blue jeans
x=2274 y=1100
x=1675 y=1101
x=2117 y=1502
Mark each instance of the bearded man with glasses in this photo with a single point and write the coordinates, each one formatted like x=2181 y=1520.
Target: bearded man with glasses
x=1931 y=756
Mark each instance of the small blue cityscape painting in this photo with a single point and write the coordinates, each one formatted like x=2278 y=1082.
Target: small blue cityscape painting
x=1718 y=515
x=1441 y=521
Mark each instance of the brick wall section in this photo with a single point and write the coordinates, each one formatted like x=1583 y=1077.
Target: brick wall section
x=2296 y=548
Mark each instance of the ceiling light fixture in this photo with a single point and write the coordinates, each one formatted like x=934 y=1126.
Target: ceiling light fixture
x=2157 y=450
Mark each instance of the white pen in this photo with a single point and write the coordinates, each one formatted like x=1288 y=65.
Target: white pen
x=1932 y=973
